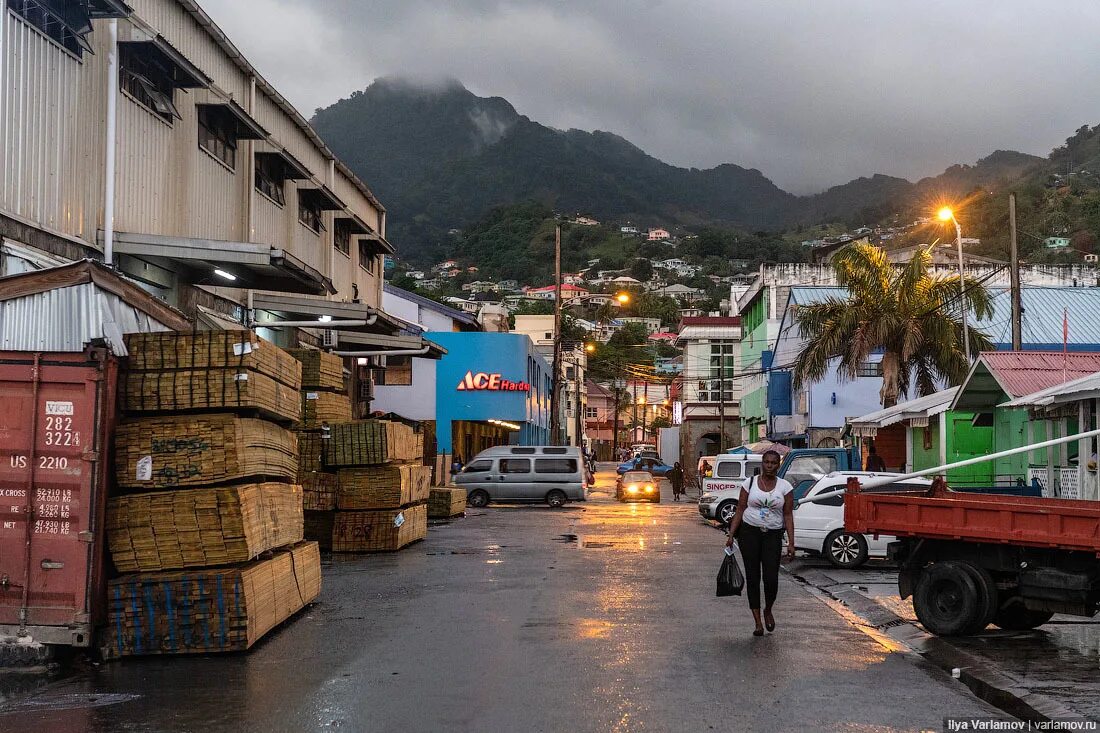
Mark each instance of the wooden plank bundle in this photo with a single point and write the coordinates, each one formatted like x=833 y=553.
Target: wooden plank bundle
x=201 y=450
x=324 y=407
x=309 y=452
x=166 y=351
x=221 y=389
x=444 y=502
x=379 y=531
x=213 y=610
x=369 y=442
x=319 y=491
x=320 y=369
x=391 y=485
x=187 y=528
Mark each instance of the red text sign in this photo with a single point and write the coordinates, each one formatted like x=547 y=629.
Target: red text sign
x=485 y=382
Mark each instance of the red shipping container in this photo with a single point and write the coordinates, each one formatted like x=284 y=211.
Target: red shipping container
x=57 y=414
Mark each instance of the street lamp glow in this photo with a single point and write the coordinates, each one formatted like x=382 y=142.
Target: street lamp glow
x=946 y=214
x=590 y=347
x=623 y=298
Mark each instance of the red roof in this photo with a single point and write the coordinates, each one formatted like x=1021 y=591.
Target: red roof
x=710 y=321
x=664 y=335
x=1022 y=372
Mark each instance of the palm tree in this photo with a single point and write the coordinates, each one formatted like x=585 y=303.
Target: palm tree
x=910 y=316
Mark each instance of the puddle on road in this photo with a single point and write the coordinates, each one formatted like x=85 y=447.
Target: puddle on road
x=67 y=702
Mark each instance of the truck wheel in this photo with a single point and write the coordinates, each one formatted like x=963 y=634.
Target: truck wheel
x=988 y=600
x=556 y=498
x=1017 y=617
x=478 y=498
x=845 y=550
x=725 y=512
x=947 y=599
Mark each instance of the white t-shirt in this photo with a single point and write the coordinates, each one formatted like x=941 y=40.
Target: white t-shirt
x=765 y=508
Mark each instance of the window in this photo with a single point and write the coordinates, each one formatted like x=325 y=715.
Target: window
x=570 y=372
x=809 y=468
x=147 y=79
x=481 y=466
x=270 y=176
x=870 y=369
x=837 y=500
x=65 y=23
x=591 y=413
x=515 y=465
x=368 y=258
x=555 y=465
x=217 y=136
x=341 y=236
x=398 y=372
x=728 y=469
x=309 y=213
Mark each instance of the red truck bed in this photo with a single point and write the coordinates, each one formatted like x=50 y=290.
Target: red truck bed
x=1068 y=524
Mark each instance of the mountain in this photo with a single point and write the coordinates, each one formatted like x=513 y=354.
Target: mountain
x=440 y=157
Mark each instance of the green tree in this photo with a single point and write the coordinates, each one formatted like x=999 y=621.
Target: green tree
x=648 y=305
x=641 y=270
x=631 y=334
x=912 y=317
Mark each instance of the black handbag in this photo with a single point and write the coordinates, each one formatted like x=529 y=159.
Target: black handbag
x=730 y=580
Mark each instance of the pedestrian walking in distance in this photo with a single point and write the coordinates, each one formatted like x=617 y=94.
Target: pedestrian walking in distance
x=676 y=478
x=874 y=460
x=764 y=509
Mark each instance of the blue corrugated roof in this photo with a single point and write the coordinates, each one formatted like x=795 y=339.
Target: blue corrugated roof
x=1042 y=319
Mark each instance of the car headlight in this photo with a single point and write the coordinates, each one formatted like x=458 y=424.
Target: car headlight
x=649 y=489
x=707 y=499
x=633 y=489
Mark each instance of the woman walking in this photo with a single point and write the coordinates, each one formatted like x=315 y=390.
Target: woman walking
x=764 y=509
x=675 y=477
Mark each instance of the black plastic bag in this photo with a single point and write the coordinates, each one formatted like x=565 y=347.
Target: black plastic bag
x=730 y=579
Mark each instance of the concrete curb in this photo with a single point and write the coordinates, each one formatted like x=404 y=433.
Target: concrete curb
x=998 y=689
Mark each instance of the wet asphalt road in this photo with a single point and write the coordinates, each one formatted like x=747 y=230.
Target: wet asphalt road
x=597 y=617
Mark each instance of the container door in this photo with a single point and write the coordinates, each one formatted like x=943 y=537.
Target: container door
x=50 y=494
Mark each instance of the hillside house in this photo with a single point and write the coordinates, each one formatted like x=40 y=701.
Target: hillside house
x=1056 y=242
x=656 y=235
x=586 y=221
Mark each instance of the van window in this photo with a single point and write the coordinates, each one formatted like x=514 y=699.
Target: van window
x=555 y=465
x=729 y=469
x=809 y=468
x=523 y=451
x=555 y=451
x=515 y=465
x=478 y=466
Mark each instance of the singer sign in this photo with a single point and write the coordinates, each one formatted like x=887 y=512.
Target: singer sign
x=490 y=382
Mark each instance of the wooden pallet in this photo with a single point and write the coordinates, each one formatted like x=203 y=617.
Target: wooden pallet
x=370 y=442
x=191 y=390
x=446 y=502
x=382 y=487
x=319 y=491
x=212 y=610
x=201 y=450
x=379 y=531
x=164 y=351
x=320 y=369
x=188 y=528
x=320 y=408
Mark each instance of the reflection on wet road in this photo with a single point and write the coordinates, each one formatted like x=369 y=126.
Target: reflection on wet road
x=600 y=616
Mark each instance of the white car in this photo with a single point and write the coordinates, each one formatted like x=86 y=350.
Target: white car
x=722 y=490
x=819 y=526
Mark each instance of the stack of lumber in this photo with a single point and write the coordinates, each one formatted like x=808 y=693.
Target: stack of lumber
x=202 y=450
x=321 y=408
x=444 y=502
x=166 y=530
x=318 y=485
x=370 y=442
x=382 y=487
x=320 y=369
x=379 y=531
x=213 y=610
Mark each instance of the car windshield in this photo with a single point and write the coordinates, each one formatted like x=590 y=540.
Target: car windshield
x=637 y=477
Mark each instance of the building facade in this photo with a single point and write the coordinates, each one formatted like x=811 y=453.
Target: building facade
x=711 y=386
x=574 y=370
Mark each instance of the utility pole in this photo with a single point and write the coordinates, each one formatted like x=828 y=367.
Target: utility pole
x=615 y=430
x=1014 y=266
x=634 y=418
x=555 y=393
x=579 y=419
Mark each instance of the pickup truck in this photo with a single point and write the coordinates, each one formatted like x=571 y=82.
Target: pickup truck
x=971 y=559
x=801 y=466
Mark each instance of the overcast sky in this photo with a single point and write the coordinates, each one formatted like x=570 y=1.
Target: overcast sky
x=811 y=92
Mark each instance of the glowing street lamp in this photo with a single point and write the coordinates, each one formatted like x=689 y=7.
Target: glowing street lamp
x=590 y=347
x=623 y=298
x=946 y=214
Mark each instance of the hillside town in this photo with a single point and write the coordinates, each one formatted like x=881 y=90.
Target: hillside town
x=276 y=456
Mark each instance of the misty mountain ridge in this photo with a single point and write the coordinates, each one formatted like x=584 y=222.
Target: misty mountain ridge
x=440 y=156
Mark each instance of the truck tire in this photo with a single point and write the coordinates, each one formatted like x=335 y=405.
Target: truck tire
x=844 y=549
x=478 y=498
x=1014 y=616
x=725 y=511
x=947 y=599
x=988 y=599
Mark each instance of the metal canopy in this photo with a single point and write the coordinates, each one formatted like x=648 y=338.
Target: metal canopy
x=185 y=74
x=250 y=264
x=349 y=340
x=293 y=169
x=377 y=243
x=301 y=308
x=356 y=224
x=246 y=127
x=322 y=196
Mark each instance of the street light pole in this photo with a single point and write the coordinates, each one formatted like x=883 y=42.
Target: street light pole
x=555 y=392
x=946 y=214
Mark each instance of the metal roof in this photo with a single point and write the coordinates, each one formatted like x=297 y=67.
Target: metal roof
x=1083 y=388
x=810 y=294
x=1018 y=373
x=922 y=407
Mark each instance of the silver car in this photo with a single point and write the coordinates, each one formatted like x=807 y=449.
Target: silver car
x=551 y=474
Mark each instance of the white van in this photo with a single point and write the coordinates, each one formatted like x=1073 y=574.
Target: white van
x=554 y=474
x=721 y=490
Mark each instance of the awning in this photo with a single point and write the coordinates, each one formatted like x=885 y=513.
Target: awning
x=321 y=196
x=376 y=244
x=292 y=168
x=300 y=308
x=351 y=341
x=245 y=128
x=914 y=412
x=355 y=223
x=1083 y=388
x=229 y=264
x=185 y=75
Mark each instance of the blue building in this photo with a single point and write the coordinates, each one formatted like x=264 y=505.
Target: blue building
x=490 y=389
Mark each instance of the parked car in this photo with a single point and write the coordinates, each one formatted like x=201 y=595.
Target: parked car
x=819 y=526
x=655 y=466
x=722 y=489
x=638 y=486
x=553 y=474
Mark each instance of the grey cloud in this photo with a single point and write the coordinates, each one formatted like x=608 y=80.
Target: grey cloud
x=811 y=93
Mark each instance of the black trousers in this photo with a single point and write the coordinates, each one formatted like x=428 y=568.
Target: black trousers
x=760 y=551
